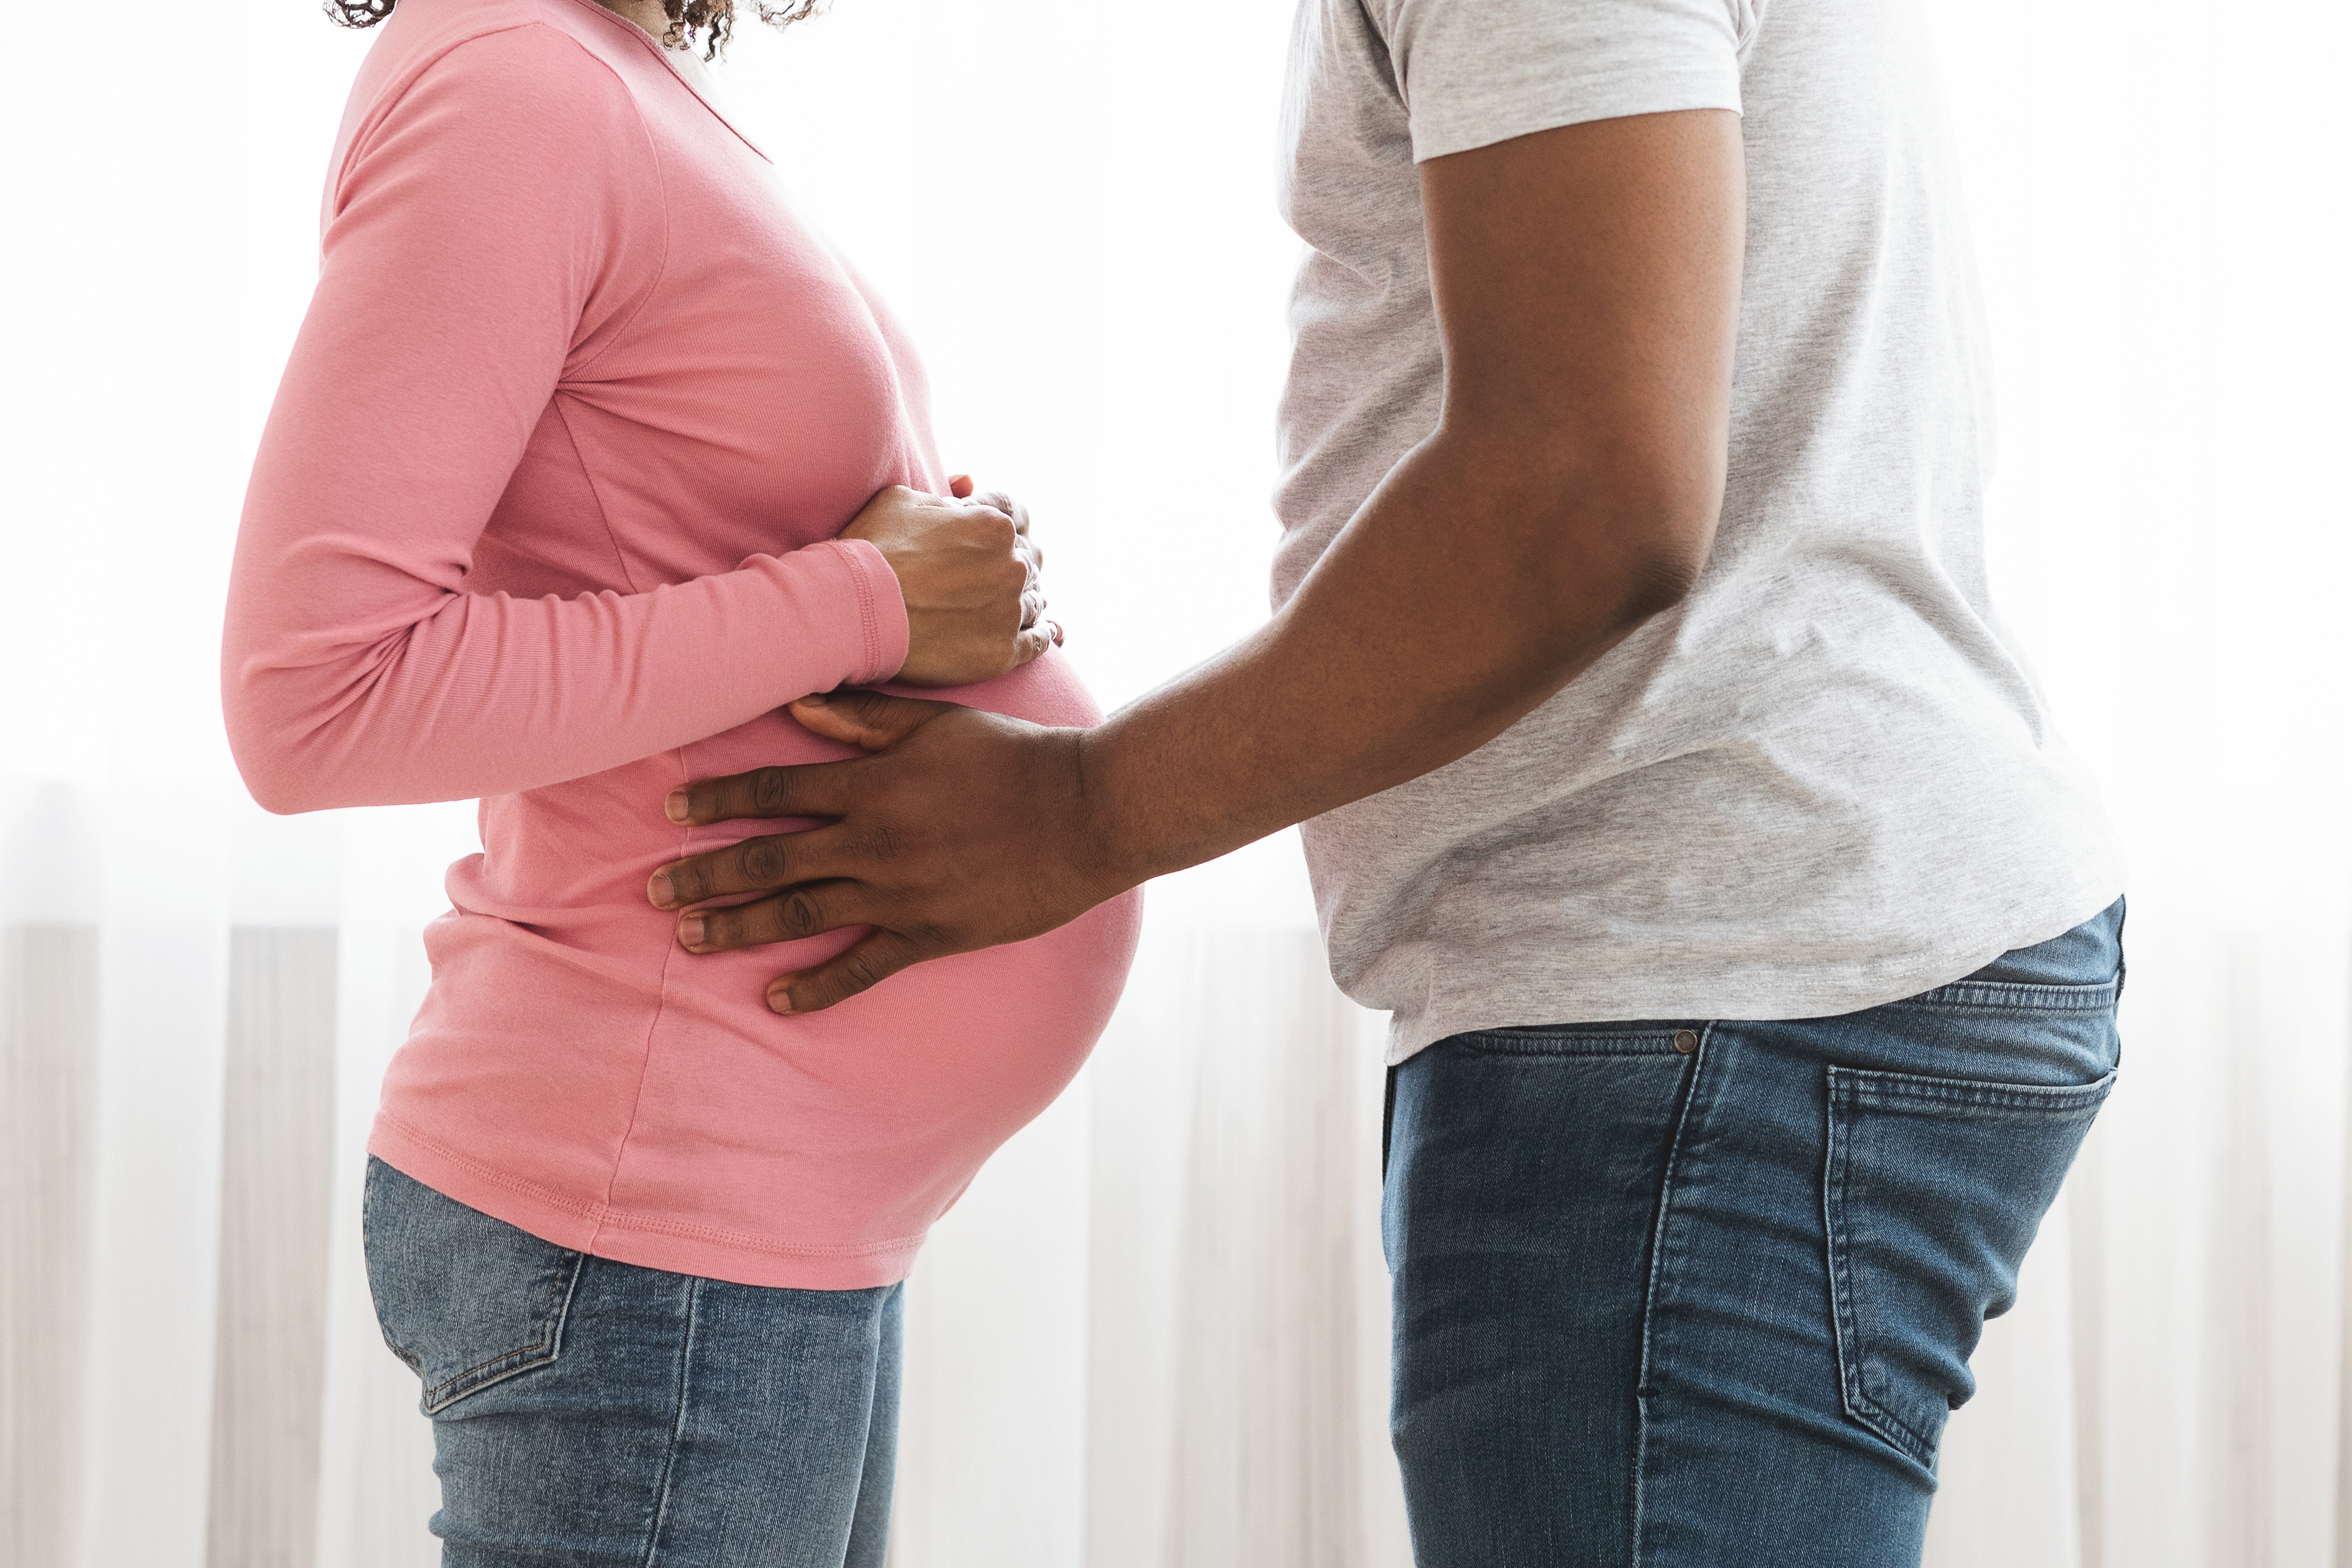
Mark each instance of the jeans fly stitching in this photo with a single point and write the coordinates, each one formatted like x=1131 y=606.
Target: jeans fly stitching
x=677 y=1427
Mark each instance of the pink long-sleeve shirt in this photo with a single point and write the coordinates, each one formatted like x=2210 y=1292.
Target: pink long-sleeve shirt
x=545 y=513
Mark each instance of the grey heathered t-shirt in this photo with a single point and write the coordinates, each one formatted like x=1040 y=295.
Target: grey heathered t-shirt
x=1826 y=780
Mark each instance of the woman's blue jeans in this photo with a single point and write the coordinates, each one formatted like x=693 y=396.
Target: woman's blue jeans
x=1697 y=1294
x=588 y=1414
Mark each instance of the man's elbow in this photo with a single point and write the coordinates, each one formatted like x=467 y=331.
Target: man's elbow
x=1646 y=552
x=1662 y=574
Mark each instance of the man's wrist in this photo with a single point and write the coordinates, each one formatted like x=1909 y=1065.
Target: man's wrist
x=1115 y=853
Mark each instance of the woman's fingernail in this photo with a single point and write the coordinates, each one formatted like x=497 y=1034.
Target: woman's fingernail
x=678 y=807
x=658 y=890
x=814 y=699
x=780 y=1001
x=690 y=931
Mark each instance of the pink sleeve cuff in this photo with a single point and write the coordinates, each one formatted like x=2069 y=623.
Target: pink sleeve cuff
x=881 y=610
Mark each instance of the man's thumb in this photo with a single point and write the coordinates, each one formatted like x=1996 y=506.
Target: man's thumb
x=869 y=720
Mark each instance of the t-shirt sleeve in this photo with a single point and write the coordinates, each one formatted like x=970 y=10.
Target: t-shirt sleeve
x=1474 y=72
x=489 y=233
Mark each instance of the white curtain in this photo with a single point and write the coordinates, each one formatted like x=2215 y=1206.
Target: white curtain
x=1153 y=1334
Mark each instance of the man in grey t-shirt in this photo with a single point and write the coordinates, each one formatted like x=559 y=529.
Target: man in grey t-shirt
x=1751 y=941
x=1775 y=802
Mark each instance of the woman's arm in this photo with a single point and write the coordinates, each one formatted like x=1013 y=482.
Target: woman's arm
x=500 y=222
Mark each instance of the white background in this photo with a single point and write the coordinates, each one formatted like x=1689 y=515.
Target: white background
x=1071 y=206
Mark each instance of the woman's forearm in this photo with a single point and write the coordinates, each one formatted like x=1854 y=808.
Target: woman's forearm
x=485 y=694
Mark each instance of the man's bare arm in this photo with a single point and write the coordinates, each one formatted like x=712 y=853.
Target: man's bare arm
x=1587 y=282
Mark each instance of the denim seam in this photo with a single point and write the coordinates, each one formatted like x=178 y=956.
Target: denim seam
x=678 y=1424
x=1642 y=1434
x=1874 y=1416
x=2016 y=996
x=1482 y=1042
x=1900 y=1092
x=550 y=1341
x=414 y=1365
x=1853 y=1090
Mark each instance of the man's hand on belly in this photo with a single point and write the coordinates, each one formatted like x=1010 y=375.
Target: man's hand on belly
x=923 y=847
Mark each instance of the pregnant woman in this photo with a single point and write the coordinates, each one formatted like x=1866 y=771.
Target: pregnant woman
x=591 y=456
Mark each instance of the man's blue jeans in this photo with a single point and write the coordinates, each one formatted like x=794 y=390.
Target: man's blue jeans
x=1697 y=1294
x=595 y=1414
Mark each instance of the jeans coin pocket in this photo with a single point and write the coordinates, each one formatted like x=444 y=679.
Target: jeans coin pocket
x=1933 y=1189
x=464 y=1299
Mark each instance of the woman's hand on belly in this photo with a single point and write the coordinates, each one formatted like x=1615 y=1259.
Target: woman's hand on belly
x=969 y=572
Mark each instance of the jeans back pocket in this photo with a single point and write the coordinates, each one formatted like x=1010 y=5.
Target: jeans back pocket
x=464 y=1299
x=1933 y=1191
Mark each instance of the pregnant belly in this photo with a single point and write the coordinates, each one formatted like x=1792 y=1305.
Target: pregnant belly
x=574 y=857
x=1045 y=692
x=567 y=1027
x=865 y=1122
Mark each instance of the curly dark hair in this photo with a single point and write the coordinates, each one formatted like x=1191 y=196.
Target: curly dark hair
x=712 y=20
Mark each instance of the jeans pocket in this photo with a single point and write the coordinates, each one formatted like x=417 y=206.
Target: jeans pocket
x=464 y=1299
x=1932 y=1192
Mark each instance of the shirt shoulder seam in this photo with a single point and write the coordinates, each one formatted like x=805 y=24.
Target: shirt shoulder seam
x=661 y=193
x=394 y=93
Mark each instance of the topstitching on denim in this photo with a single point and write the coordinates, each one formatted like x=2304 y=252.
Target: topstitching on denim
x=1857 y=1088
x=1851 y=1092
x=1696 y=1080
x=2017 y=996
x=1642 y=1039
x=547 y=1322
x=693 y=1285
x=540 y=1351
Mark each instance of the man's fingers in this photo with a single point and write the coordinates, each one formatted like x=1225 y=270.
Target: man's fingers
x=873 y=958
x=810 y=789
x=754 y=866
x=869 y=720
x=794 y=913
